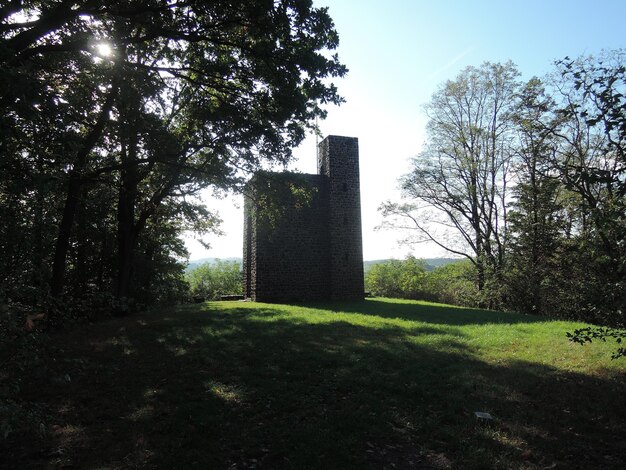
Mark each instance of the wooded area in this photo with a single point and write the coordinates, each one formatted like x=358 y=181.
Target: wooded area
x=527 y=181
x=116 y=114
x=115 y=117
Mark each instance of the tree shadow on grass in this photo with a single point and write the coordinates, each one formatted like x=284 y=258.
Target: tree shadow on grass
x=427 y=312
x=230 y=389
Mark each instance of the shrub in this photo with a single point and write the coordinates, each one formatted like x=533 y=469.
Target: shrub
x=453 y=284
x=210 y=281
x=397 y=278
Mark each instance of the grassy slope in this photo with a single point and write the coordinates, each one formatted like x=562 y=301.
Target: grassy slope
x=376 y=384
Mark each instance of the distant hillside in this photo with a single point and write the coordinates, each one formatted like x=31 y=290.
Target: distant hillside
x=436 y=262
x=197 y=262
x=367 y=265
x=431 y=263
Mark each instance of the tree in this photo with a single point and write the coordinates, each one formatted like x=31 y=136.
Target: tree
x=591 y=162
x=454 y=284
x=537 y=221
x=210 y=281
x=457 y=189
x=156 y=100
x=397 y=278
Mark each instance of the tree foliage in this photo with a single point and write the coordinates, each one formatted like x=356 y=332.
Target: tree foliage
x=115 y=115
x=457 y=188
x=528 y=181
x=209 y=281
x=453 y=283
x=592 y=164
x=537 y=218
x=397 y=278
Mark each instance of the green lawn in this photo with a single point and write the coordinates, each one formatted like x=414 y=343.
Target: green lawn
x=375 y=384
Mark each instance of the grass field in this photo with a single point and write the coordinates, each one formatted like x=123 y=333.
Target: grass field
x=375 y=384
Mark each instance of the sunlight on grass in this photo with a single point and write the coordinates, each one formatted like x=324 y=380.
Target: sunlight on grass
x=501 y=437
x=68 y=432
x=120 y=341
x=142 y=413
x=370 y=384
x=67 y=437
x=493 y=337
x=224 y=392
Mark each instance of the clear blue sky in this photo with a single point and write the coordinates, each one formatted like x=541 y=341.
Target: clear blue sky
x=398 y=52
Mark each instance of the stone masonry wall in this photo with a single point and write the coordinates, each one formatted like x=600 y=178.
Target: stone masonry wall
x=302 y=233
x=338 y=160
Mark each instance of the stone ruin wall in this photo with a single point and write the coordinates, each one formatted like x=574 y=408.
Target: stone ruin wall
x=338 y=161
x=288 y=262
x=311 y=251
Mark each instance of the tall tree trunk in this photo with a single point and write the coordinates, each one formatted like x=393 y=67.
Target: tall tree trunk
x=125 y=258
x=127 y=200
x=73 y=194
x=57 y=283
x=38 y=243
x=82 y=275
x=126 y=240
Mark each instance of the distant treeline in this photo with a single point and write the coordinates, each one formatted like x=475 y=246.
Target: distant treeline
x=429 y=263
x=211 y=278
x=452 y=281
x=211 y=261
x=525 y=180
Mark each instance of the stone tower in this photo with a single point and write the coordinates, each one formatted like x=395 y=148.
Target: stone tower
x=338 y=161
x=302 y=233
